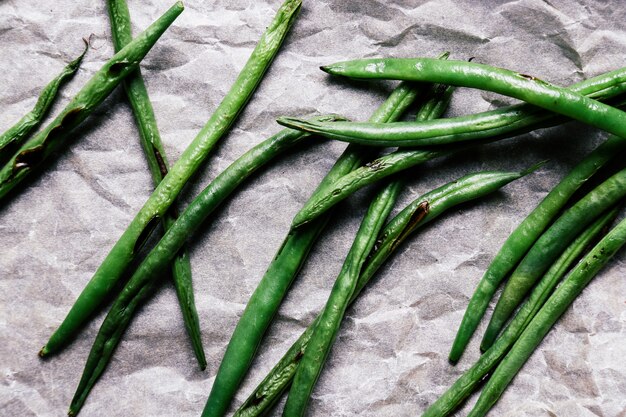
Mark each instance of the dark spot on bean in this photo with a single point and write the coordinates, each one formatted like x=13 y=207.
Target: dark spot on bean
x=416 y=217
x=70 y=118
x=118 y=67
x=528 y=77
x=160 y=161
x=145 y=233
x=28 y=158
x=257 y=400
x=299 y=356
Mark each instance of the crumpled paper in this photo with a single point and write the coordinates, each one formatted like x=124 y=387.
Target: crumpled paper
x=390 y=357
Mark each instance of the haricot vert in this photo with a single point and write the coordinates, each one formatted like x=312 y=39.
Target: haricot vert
x=552 y=310
x=137 y=94
x=276 y=281
x=420 y=212
x=525 y=235
x=19 y=131
x=32 y=153
x=330 y=319
x=147 y=276
x=121 y=255
x=471 y=379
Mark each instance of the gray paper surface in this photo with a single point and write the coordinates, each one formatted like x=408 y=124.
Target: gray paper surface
x=390 y=358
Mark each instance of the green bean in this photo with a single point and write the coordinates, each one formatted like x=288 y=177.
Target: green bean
x=498 y=80
x=556 y=305
x=496 y=124
x=52 y=137
x=19 y=131
x=121 y=255
x=525 y=235
x=420 y=212
x=137 y=93
x=330 y=320
x=472 y=378
x=328 y=326
x=144 y=280
x=549 y=246
x=276 y=281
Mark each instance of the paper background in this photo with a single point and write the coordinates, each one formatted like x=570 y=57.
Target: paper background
x=390 y=357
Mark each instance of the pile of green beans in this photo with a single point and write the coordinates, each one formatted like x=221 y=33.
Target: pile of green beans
x=417 y=214
x=471 y=379
x=20 y=131
x=124 y=251
x=157 y=162
x=276 y=281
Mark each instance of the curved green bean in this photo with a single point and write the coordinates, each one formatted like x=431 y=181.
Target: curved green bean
x=273 y=287
x=137 y=94
x=330 y=321
x=121 y=255
x=143 y=281
x=525 y=235
x=553 y=309
x=420 y=212
x=498 y=80
x=19 y=131
x=53 y=136
x=551 y=243
x=473 y=377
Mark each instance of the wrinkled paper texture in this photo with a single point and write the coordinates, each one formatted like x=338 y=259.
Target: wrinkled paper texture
x=390 y=358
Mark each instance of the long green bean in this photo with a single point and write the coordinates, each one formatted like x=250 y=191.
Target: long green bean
x=19 y=131
x=420 y=212
x=276 y=281
x=525 y=235
x=120 y=256
x=53 y=136
x=551 y=243
x=496 y=124
x=137 y=94
x=144 y=280
x=498 y=80
x=472 y=378
x=553 y=309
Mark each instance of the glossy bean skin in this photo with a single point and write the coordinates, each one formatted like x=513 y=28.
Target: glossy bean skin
x=329 y=323
x=473 y=377
x=150 y=138
x=39 y=147
x=548 y=247
x=20 y=131
x=525 y=235
x=552 y=310
x=267 y=297
x=123 y=252
x=145 y=280
x=498 y=80
x=420 y=212
x=495 y=124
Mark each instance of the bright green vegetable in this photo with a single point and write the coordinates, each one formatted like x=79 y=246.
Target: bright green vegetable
x=274 y=285
x=520 y=241
x=473 y=377
x=18 y=132
x=420 y=212
x=548 y=247
x=157 y=162
x=330 y=320
x=495 y=124
x=556 y=305
x=502 y=81
x=53 y=136
x=146 y=278
x=117 y=261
